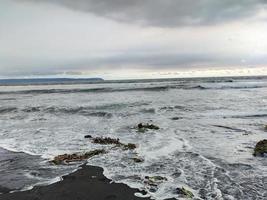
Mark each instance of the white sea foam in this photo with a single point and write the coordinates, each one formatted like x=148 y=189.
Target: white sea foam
x=195 y=151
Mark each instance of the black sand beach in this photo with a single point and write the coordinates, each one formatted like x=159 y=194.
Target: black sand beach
x=88 y=183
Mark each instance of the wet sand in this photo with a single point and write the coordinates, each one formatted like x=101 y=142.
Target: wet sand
x=88 y=183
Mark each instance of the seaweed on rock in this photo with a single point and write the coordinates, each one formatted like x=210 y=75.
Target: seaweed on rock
x=260 y=148
x=185 y=193
x=108 y=141
x=76 y=157
x=128 y=146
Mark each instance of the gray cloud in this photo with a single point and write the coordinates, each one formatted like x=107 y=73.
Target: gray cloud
x=42 y=37
x=166 y=13
x=153 y=61
x=148 y=61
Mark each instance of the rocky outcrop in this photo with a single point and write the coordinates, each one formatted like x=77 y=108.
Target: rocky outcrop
x=116 y=142
x=105 y=140
x=152 y=182
x=138 y=160
x=76 y=157
x=128 y=146
x=144 y=127
x=184 y=193
x=260 y=148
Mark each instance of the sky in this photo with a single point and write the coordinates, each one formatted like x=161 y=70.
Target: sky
x=120 y=39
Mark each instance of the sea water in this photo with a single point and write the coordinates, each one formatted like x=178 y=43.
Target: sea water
x=208 y=129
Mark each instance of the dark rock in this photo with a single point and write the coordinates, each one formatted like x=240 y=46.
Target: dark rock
x=87 y=136
x=260 y=148
x=143 y=192
x=138 y=160
x=106 y=140
x=176 y=118
x=185 y=193
x=177 y=173
x=153 y=189
x=154 y=180
x=76 y=157
x=128 y=146
x=143 y=127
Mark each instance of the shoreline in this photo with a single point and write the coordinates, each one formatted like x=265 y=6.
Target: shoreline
x=87 y=183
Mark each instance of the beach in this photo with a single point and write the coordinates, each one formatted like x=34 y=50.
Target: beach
x=171 y=138
x=88 y=183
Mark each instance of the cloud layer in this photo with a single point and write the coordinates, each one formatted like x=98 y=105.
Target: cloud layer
x=86 y=37
x=167 y=13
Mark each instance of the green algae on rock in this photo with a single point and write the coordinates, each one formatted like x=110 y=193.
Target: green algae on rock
x=154 y=180
x=260 y=148
x=76 y=157
x=185 y=193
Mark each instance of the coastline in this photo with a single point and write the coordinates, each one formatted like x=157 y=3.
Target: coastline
x=87 y=183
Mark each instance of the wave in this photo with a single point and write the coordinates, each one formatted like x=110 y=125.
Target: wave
x=129 y=89
x=87 y=90
x=86 y=111
x=176 y=107
x=200 y=87
x=231 y=128
x=97 y=111
x=249 y=116
x=7 y=99
x=4 y=110
x=148 y=110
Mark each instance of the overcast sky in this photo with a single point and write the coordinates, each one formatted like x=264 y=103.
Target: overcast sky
x=132 y=38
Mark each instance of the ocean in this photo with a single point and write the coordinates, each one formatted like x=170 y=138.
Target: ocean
x=208 y=129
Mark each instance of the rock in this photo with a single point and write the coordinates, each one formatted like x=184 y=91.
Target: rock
x=260 y=148
x=176 y=118
x=153 y=189
x=185 y=193
x=138 y=160
x=106 y=140
x=76 y=157
x=87 y=136
x=157 y=178
x=128 y=146
x=154 y=180
x=143 y=127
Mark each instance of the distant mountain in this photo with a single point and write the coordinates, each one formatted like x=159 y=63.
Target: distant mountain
x=49 y=81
